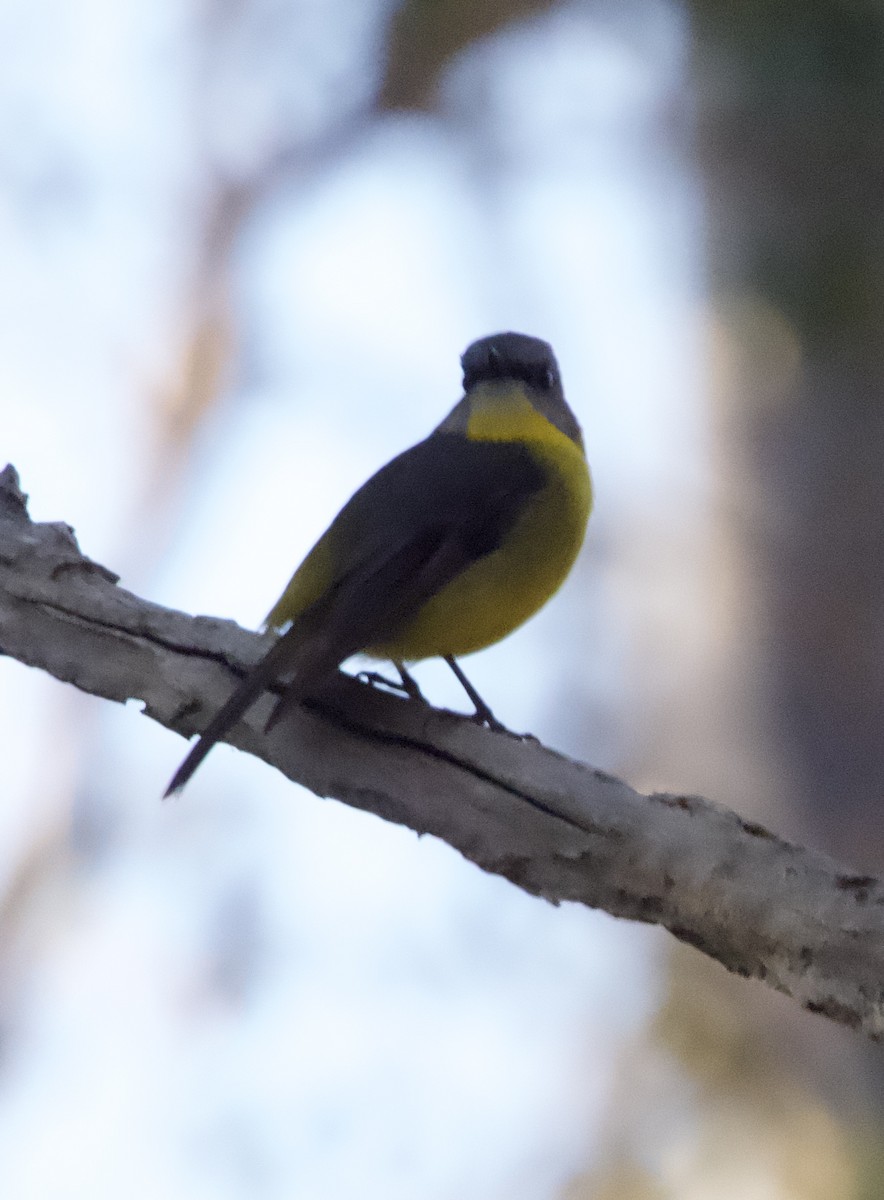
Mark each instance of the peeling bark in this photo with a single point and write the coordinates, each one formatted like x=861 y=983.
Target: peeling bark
x=764 y=908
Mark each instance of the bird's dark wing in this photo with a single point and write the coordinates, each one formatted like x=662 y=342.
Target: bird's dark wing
x=474 y=488
x=410 y=530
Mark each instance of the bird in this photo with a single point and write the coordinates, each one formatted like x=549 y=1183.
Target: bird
x=445 y=550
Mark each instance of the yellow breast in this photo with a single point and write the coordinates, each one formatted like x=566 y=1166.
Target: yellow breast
x=501 y=591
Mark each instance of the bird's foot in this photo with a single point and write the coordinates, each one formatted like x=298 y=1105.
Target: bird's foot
x=483 y=714
x=406 y=684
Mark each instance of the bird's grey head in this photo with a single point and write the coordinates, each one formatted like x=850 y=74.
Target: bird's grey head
x=515 y=357
x=511 y=356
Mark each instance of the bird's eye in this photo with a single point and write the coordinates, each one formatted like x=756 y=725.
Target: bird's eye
x=548 y=377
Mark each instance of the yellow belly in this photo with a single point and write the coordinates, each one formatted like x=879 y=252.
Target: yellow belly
x=501 y=591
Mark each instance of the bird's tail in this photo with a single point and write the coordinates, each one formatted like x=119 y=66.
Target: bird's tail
x=305 y=652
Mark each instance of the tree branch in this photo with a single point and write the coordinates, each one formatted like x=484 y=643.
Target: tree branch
x=556 y=828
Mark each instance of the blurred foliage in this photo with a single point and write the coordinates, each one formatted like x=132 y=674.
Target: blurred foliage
x=625 y=1181
x=755 y=1111
x=713 y=1101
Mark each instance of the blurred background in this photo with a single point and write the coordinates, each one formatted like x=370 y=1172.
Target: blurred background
x=242 y=245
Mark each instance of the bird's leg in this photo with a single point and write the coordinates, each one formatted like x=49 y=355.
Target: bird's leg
x=407 y=683
x=376 y=679
x=483 y=714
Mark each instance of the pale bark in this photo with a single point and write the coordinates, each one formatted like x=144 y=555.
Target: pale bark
x=762 y=907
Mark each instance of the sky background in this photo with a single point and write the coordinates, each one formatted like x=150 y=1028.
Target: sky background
x=229 y=291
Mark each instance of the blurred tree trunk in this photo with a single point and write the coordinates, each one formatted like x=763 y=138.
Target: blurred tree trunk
x=791 y=138
x=789 y=132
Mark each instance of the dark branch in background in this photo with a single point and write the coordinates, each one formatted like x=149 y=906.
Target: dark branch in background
x=556 y=828
x=426 y=35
